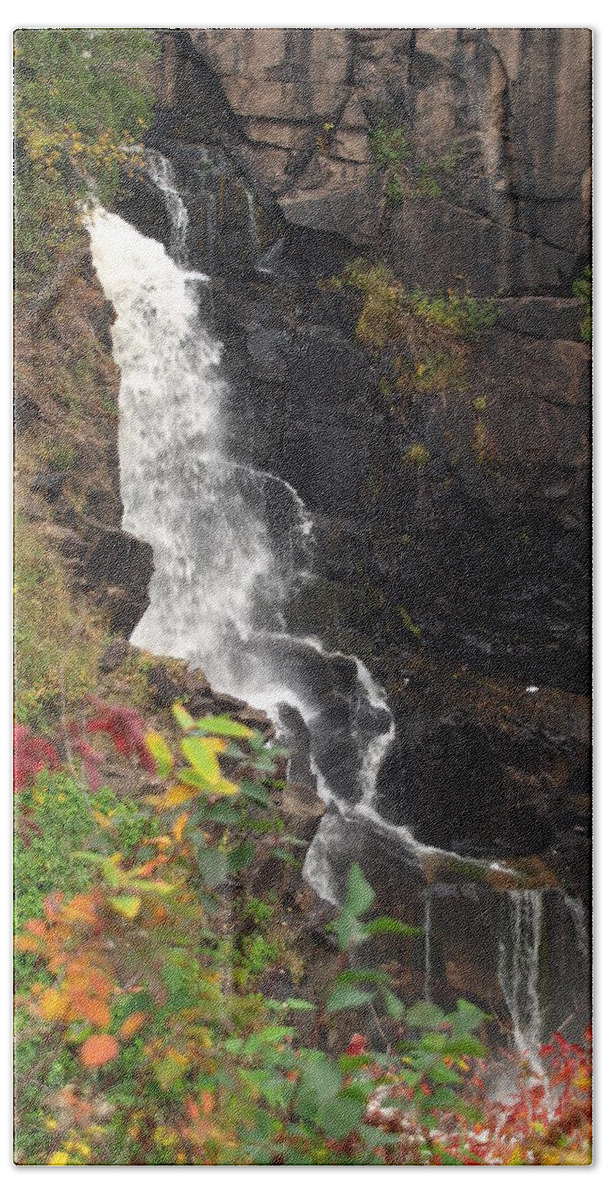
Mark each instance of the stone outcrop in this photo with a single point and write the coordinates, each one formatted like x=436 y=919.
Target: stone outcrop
x=502 y=115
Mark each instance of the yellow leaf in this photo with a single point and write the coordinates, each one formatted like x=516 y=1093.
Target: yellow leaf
x=101 y=819
x=58 y=1159
x=182 y=717
x=127 y=906
x=160 y=751
x=52 y=1005
x=179 y=826
x=177 y=795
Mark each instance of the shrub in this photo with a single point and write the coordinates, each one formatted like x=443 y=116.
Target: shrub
x=139 y=1041
x=431 y=337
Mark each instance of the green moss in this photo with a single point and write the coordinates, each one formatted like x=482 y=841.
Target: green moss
x=582 y=288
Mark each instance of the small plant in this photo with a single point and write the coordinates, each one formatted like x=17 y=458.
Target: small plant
x=479 y=404
x=432 y=336
x=324 y=138
x=417 y=455
x=582 y=288
x=409 y=624
x=390 y=152
x=426 y=184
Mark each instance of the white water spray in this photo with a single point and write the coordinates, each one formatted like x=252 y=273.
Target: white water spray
x=519 y=970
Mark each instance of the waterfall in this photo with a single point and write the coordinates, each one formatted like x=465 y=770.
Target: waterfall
x=230 y=542
x=519 y=969
x=579 y=920
x=162 y=175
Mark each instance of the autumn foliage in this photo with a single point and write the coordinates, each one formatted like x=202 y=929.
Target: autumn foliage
x=142 y=1029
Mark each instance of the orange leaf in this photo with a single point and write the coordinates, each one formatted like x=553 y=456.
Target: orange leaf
x=179 y=826
x=81 y=909
x=92 y=1009
x=207 y=1103
x=98 y=1049
x=37 y=927
x=131 y=1025
x=23 y=942
x=149 y=867
x=52 y=1005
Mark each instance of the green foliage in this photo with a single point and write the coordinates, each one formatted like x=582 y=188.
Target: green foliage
x=59 y=820
x=426 y=184
x=431 y=336
x=389 y=143
x=351 y=932
x=140 y=1037
x=582 y=288
x=390 y=151
x=462 y=315
x=82 y=98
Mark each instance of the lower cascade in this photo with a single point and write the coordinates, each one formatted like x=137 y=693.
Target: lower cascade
x=519 y=968
x=231 y=545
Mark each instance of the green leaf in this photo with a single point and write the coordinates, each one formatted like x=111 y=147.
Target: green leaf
x=169 y=1072
x=127 y=906
x=390 y=925
x=434 y=1042
x=256 y=792
x=241 y=856
x=213 y=867
x=293 y=1002
x=363 y=975
x=348 y=929
x=206 y=764
x=426 y=1015
x=224 y=726
x=359 y=894
x=466 y=1044
x=182 y=717
x=222 y=814
x=392 y=1004
x=160 y=752
x=345 y=995
x=339 y=1116
x=467 y=1018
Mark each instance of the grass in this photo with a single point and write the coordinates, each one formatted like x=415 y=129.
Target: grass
x=57 y=639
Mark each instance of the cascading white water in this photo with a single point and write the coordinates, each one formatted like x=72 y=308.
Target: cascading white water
x=162 y=175
x=519 y=970
x=229 y=542
x=579 y=920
